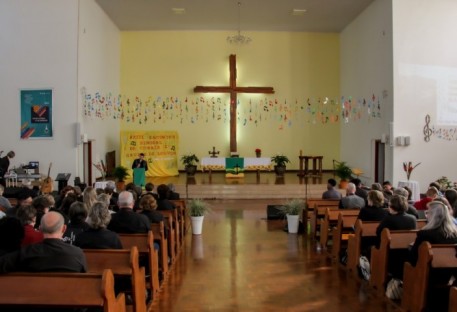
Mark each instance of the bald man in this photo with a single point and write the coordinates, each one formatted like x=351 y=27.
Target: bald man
x=51 y=255
x=351 y=200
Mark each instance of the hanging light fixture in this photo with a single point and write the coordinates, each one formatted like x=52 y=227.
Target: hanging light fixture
x=239 y=38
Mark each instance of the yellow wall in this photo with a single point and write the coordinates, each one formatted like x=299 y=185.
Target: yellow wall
x=298 y=65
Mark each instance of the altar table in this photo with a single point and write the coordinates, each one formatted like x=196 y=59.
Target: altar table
x=250 y=163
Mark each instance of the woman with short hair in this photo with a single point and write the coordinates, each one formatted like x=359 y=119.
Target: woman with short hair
x=27 y=216
x=374 y=211
x=98 y=236
x=148 y=206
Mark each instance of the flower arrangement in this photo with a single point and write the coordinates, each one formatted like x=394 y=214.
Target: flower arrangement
x=102 y=168
x=408 y=168
x=445 y=183
x=258 y=150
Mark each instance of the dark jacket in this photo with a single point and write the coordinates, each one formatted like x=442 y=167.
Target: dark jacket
x=400 y=221
x=372 y=213
x=128 y=221
x=433 y=236
x=153 y=216
x=165 y=204
x=98 y=239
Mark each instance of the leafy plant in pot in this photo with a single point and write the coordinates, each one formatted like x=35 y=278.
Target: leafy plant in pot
x=293 y=209
x=120 y=173
x=190 y=163
x=197 y=211
x=344 y=172
x=280 y=164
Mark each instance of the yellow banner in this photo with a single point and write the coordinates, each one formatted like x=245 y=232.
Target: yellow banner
x=160 y=149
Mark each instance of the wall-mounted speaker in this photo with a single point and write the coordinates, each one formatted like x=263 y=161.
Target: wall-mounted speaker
x=407 y=140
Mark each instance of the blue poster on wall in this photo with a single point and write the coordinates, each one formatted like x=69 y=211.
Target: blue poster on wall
x=36 y=114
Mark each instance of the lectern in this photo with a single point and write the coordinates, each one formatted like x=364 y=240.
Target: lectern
x=62 y=179
x=139 y=177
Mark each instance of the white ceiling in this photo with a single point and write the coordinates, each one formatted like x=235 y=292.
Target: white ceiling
x=256 y=15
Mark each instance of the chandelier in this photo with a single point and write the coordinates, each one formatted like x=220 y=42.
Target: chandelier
x=239 y=38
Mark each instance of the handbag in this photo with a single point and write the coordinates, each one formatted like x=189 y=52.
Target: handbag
x=364 y=268
x=394 y=290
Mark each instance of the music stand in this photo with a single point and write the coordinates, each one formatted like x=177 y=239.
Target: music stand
x=62 y=179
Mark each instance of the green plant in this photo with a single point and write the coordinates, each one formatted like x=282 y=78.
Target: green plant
x=280 y=160
x=189 y=160
x=445 y=183
x=293 y=207
x=343 y=171
x=198 y=208
x=120 y=173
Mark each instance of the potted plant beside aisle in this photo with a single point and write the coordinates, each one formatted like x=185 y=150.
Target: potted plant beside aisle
x=197 y=211
x=292 y=209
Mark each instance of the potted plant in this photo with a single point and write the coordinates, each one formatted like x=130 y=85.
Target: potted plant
x=293 y=209
x=190 y=163
x=120 y=173
x=344 y=172
x=197 y=211
x=280 y=164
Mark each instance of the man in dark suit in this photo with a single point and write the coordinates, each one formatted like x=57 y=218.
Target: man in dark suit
x=126 y=220
x=140 y=163
x=51 y=255
x=4 y=165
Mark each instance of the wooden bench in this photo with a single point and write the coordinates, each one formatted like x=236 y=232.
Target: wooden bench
x=172 y=216
x=453 y=299
x=390 y=240
x=145 y=245
x=121 y=262
x=344 y=228
x=180 y=204
x=330 y=220
x=362 y=230
x=311 y=204
x=158 y=230
x=75 y=290
x=416 y=278
x=316 y=217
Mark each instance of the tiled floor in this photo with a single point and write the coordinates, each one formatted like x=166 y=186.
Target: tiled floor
x=242 y=262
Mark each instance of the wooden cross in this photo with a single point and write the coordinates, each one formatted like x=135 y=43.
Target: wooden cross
x=214 y=153
x=233 y=90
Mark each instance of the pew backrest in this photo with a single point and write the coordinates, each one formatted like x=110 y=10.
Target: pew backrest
x=76 y=290
x=361 y=230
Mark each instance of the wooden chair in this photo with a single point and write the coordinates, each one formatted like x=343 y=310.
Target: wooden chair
x=416 y=278
x=390 y=240
x=362 y=230
x=76 y=290
x=344 y=228
x=121 y=262
x=145 y=245
x=158 y=229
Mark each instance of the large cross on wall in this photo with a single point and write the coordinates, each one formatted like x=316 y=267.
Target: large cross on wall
x=233 y=89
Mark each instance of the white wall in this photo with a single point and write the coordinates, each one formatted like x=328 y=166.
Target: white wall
x=425 y=75
x=366 y=64
x=98 y=70
x=39 y=50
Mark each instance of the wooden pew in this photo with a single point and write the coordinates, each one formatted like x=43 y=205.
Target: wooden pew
x=76 y=290
x=145 y=245
x=180 y=204
x=362 y=230
x=158 y=230
x=344 y=228
x=416 y=278
x=311 y=204
x=316 y=217
x=121 y=262
x=390 y=240
x=453 y=299
x=172 y=216
x=330 y=220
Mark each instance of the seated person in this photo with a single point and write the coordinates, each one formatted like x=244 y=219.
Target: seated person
x=359 y=191
x=77 y=224
x=24 y=198
x=375 y=210
x=351 y=200
x=411 y=210
x=388 y=189
x=97 y=236
x=149 y=190
x=148 y=206
x=451 y=196
x=163 y=203
x=430 y=195
x=331 y=192
x=11 y=235
x=42 y=204
x=126 y=220
x=4 y=202
x=27 y=216
x=172 y=192
x=51 y=255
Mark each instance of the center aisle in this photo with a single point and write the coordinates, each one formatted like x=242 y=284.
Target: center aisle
x=242 y=262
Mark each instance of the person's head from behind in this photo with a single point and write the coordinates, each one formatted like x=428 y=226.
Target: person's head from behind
x=350 y=190
x=357 y=182
x=451 y=196
x=375 y=198
x=69 y=199
x=26 y=214
x=376 y=187
x=435 y=185
x=53 y=225
x=438 y=216
x=125 y=200
x=149 y=187
x=398 y=204
x=387 y=186
x=148 y=203
x=410 y=192
x=77 y=212
x=432 y=192
x=11 y=234
x=11 y=154
x=162 y=190
x=401 y=191
x=331 y=183
x=25 y=196
x=66 y=190
x=42 y=203
x=104 y=198
x=99 y=216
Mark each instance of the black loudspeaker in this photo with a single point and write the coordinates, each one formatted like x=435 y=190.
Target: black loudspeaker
x=274 y=212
